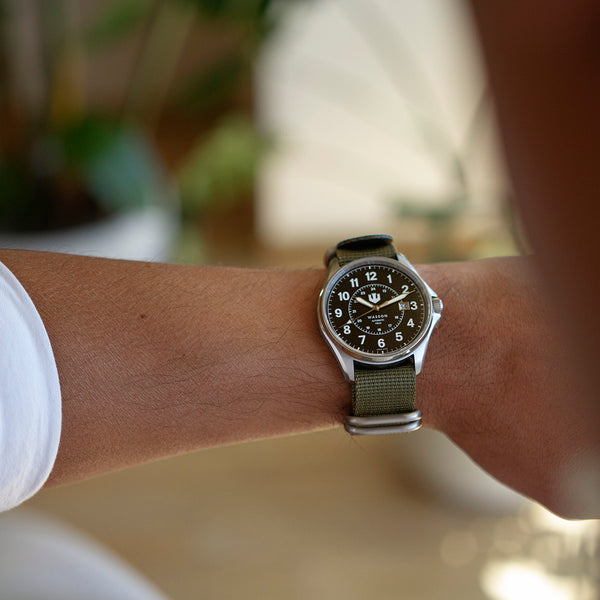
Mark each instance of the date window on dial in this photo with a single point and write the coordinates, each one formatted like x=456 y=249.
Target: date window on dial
x=403 y=305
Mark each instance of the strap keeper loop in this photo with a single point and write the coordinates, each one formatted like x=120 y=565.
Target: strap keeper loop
x=382 y=424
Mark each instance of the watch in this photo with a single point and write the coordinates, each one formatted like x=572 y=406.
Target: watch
x=377 y=315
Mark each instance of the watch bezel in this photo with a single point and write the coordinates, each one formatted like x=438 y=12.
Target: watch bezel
x=368 y=357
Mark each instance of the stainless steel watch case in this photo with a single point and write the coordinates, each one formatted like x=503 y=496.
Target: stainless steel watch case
x=348 y=356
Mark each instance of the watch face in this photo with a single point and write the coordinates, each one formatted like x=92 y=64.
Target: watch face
x=376 y=308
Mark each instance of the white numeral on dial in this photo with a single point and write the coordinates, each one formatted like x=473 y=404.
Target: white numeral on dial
x=347 y=329
x=338 y=312
x=381 y=343
x=410 y=323
x=371 y=276
x=362 y=339
x=344 y=296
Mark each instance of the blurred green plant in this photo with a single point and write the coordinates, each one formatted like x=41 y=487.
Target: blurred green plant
x=89 y=169
x=63 y=162
x=222 y=169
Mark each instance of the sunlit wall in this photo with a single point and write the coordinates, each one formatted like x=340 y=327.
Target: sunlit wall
x=380 y=119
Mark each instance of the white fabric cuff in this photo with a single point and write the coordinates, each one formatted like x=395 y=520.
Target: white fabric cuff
x=30 y=400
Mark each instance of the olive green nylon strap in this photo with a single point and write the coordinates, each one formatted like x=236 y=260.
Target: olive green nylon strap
x=383 y=391
x=387 y=391
x=365 y=247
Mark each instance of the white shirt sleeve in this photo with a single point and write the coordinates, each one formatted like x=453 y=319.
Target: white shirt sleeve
x=30 y=401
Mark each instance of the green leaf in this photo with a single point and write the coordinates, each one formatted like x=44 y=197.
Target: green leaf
x=116 y=163
x=117 y=20
x=92 y=168
x=222 y=168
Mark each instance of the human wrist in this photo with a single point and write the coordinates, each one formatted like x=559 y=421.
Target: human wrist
x=270 y=371
x=474 y=346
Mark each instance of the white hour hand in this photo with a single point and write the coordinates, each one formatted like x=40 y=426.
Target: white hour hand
x=365 y=302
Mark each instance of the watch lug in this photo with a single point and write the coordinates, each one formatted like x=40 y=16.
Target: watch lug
x=401 y=258
x=332 y=266
x=345 y=360
x=419 y=353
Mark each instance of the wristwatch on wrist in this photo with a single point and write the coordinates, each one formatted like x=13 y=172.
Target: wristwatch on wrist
x=377 y=315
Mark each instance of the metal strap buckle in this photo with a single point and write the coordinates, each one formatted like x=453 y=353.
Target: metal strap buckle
x=381 y=424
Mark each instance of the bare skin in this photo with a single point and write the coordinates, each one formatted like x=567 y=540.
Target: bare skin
x=543 y=63
x=156 y=360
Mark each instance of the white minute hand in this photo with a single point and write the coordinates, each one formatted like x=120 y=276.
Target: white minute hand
x=396 y=299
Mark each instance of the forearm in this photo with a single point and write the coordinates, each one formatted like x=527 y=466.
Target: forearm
x=157 y=359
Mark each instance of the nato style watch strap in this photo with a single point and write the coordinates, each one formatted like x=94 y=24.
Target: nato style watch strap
x=368 y=246
x=383 y=391
x=383 y=399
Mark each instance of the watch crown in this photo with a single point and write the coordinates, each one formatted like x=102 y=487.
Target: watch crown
x=438 y=305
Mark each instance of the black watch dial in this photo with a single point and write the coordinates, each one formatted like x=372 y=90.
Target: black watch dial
x=376 y=309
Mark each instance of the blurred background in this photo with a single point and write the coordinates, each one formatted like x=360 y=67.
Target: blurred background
x=258 y=133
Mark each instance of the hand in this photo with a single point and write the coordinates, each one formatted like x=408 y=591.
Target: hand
x=365 y=302
x=496 y=362
x=378 y=306
x=371 y=306
x=396 y=299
